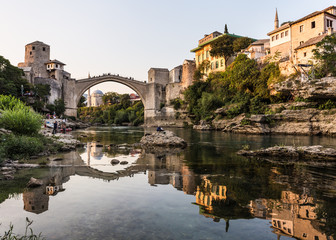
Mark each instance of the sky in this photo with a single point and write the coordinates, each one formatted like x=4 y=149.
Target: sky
x=128 y=37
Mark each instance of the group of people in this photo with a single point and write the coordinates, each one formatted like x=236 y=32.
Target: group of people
x=60 y=125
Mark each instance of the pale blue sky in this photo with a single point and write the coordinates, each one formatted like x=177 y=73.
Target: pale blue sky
x=130 y=36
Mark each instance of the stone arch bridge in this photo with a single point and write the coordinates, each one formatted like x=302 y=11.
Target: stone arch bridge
x=151 y=94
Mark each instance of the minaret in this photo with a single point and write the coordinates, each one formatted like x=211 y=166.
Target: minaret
x=276 y=21
x=88 y=101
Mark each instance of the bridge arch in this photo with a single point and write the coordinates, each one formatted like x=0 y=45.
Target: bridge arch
x=84 y=84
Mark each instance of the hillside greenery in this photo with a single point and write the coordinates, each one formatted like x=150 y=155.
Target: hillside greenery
x=243 y=88
x=117 y=109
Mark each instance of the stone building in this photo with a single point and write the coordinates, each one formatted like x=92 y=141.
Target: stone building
x=39 y=69
x=258 y=49
x=294 y=41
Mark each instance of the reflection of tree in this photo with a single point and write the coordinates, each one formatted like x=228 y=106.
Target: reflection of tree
x=327 y=211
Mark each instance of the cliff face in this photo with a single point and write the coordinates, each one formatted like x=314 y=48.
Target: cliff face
x=307 y=121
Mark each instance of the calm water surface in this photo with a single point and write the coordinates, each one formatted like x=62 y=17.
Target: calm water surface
x=205 y=191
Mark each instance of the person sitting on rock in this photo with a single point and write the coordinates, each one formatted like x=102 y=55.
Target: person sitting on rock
x=159 y=129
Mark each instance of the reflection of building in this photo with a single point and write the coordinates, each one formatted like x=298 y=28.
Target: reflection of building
x=209 y=192
x=294 y=215
x=35 y=201
x=94 y=150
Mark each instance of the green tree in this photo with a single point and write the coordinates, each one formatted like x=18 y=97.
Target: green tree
x=222 y=47
x=226 y=29
x=82 y=101
x=59 y=107
x=241 y=43
x=111 y=98
x=325 y=53
x=11 y=79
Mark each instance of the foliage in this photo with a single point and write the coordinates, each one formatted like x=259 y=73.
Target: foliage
x=82 y=101
x=242 y=88
x=111 y=98
x=241 y=43
x=222 y=47
x=122 y=111
x=325 y=53
x=20 y=146
x=21 y=121
x=177 y=103
x=17 y=117
x=10 y=103
x=59 y=107
x=11 y=79
x=29 y=234
x=226 y=29
x=327 y=105
x=42 y=91
x=201 y=69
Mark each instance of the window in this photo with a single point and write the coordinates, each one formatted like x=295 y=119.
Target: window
x=301 y=43
x=43 y=49
x=282 y=34
x=289 y=231
x=286 y=33
x=56 y=65
x=216 y=64
x=329 y=23
x=301 y=28
x=33 y=47
x=272 y=38
x=277 y=37
x=30 y=53
x=222 y=62
x=316 y=238
x=313 y=24
x=207 y=54
x=304 y=235
x=212 y=66
x=305 y=55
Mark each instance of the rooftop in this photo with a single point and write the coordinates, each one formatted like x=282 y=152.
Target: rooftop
x=55 y=61
x=37 y=43
x=311 y=41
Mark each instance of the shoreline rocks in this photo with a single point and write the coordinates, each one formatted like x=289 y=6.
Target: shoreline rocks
x=289 y=153
x=162 y=139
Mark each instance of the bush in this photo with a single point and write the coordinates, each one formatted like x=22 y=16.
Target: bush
x=10 y=102
x=177 y=103
x=17 y=147
x=22 y=121
x=327 y=105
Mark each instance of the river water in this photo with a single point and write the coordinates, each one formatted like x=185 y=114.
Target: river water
x=205 y=191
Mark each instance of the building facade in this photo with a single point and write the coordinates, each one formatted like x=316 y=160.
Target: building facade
x=294 y=41
x=39 y=69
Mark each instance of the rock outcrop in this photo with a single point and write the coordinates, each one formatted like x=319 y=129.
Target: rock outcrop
x=291 y=118
x=324 y=88
x=162 y=139
x=203 y=126
x=290 y=153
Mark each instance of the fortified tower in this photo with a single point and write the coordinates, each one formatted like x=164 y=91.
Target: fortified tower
x=36 y=55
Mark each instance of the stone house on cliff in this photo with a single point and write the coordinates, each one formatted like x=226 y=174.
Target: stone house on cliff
x=39 y=69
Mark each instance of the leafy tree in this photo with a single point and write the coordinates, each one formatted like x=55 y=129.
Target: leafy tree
x=241 y=43
x=11 y=79
x=59 y=107
x=201 y=69
x=222 y=47
x=226 y=29
x=325 y=53
x=81 y=102
x=111 y=98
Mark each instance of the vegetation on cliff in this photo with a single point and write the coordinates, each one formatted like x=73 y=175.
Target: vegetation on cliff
x=117 y=109
x=24 y=124
x=243 y=87
x=325 y=54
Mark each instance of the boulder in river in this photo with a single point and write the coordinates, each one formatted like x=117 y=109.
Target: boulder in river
x=316 y=152
x=123 y=162
x=162 y=139
x=33 y=182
